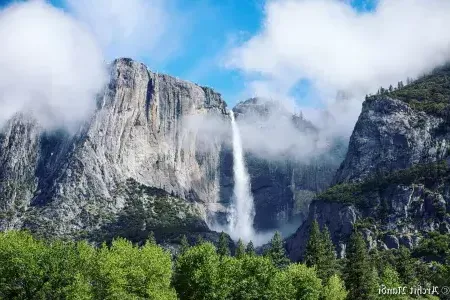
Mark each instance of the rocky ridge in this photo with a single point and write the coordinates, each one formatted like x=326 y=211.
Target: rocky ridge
x=394 y=182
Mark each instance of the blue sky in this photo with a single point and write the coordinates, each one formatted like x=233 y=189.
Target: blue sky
x=215 y=24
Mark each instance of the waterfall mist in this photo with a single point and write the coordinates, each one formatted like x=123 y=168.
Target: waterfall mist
x=242 y=211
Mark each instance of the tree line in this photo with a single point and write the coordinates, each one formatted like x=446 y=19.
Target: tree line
x=33 y=268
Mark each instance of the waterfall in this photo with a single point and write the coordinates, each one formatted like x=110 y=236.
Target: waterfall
x=242 y=209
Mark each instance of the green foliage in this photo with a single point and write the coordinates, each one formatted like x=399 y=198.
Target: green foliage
x=314 y=247
x=197 y=273
x=435 y=246
x=240 y=249
x=431 y=175
x=391 y=281
x=360 y=277
x=276 y=252
x=223 y=249
x=405 y=265
x=334 y=289
x=296 y=282
x=184 y=244
x=36 y=269
x=125 y=271
x=320 y=252
x=252 y=275
x=430 y=94
x=33 y=269
x=250 y=250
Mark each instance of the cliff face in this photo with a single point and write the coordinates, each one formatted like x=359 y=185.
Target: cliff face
x=62 y=184
x=388 y=136
x=394 y=182
x=282 y=182
x=154 y=156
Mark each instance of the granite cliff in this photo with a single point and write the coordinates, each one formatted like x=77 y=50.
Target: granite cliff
x=63 y=184
x=154 y=156
x=394 y=182
x=284 y=179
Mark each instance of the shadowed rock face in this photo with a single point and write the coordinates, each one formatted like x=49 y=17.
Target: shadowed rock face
x=283 y=184
x=64 y=184
x=389 y=169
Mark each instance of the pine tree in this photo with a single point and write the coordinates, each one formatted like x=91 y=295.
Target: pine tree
x=151 y=238
x=277 y=252
x=327 y=264
x=184 y=244
x=240 y=249
x=320 y=252
x=405 y=266
x=200 y=239
x=223 y=249
x=391 y=88
x=400 y=85
x=314 y=247
x=250 y=250
x=359 y=274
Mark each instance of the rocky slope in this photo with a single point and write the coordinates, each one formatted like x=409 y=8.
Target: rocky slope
x=154 y=156
x=394 y=182
x=63 y=184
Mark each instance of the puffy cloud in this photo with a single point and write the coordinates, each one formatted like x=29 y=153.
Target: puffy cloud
x=131 y=28
x=49 y=65
x=337 y=48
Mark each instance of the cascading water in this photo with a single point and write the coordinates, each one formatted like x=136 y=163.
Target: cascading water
x=242 y=209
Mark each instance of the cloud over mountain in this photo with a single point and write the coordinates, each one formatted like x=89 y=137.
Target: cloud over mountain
x=49 y=64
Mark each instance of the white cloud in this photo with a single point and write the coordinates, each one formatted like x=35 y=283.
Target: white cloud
x=131 y=28
x=49 y=64
x=330 y=44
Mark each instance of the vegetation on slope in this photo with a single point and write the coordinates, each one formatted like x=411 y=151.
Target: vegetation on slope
x=430 y=175
x=430 y=93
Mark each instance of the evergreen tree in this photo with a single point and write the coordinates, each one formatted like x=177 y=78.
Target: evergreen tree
x=327 y=263
x=277 y=252
x=240 y=250
x=405 y=266
x=391 y=88
x=184 y=244
x=400 y=85
x=151 y=238
x=320 y=252
x=250 y=250
x=200 y=239
x=223 y=249
x=314 y=247
x=359 y=275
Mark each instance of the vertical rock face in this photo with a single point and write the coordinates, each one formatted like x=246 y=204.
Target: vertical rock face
x=389 y=136
x=153 y=151
x=19 y=158
x=282 y=182
x=139 y=131
x=394 y=181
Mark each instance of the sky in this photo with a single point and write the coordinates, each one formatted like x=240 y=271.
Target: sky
x=300 y=52
x=214 y=26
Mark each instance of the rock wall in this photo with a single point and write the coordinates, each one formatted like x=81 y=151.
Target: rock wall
x=389 y=139
x=138 y=131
